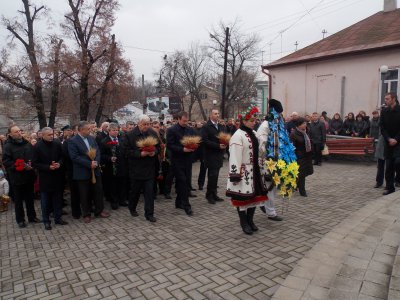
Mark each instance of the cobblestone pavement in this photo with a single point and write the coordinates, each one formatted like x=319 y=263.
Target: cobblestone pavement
x=205 y=256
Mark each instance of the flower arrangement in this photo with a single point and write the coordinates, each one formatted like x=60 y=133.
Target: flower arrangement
x=280 y=156
x=224 y=138
x=284 y=175
x=147 y=144
x=250 y=112
x=191 y=141
x=112 y=143
x=92 y=155
x=19 y=165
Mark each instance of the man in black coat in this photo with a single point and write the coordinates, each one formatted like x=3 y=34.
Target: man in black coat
x=390 y=129
x=213 y=154
x=48 y=161
x=181 y=160
x=318 y=137
x=141 y=168
x=114 y=166
x=17 y=158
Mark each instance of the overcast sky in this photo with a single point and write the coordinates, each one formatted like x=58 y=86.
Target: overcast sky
x=162 y=26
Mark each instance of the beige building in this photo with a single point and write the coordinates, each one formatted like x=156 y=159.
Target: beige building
x=210 y=98
x=347 y=72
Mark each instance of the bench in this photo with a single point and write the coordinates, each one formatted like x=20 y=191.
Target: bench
x=350 y=145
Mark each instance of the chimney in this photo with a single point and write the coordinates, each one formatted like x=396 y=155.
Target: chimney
x=389 y=5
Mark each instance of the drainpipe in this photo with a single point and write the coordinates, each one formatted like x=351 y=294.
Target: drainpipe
x=266 y=72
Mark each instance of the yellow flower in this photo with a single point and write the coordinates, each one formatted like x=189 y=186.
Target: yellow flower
x=281 y=164
x=276 y=178
x=271 y=165
x=289 y=193
x=284 y=173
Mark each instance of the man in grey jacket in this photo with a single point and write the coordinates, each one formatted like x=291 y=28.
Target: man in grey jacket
x=318 y=137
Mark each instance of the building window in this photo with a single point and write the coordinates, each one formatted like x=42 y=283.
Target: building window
x=203 y=96
x=389 y=83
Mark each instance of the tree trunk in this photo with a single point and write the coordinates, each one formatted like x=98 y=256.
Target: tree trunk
x=201 y=107
x=191 y=106
x=55 y=90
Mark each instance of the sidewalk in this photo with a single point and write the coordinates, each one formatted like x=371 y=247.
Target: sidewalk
x=201 y=257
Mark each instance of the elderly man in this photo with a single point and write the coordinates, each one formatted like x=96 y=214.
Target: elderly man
x=291 y=124
x=142 y=166
x=318 y=137
x=48 y=161
x=83 y=167
x=213 y=154
x=17 y=157
x=103 y=133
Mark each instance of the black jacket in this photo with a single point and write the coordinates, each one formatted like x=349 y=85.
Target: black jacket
x=142 y=168
x=335 y=126
x=304 y=158
x=106 y=151
x=212 y=153
x=12 y=151
x=45 y=153
x=317 y=132
x=174 y=135
x=390 y=128
x=348 y=127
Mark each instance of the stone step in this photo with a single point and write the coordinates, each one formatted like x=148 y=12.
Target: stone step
x=353 y=261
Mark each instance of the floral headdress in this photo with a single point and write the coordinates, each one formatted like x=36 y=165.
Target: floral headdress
x=250 y=112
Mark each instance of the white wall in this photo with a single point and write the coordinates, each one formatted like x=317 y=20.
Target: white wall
x=316 y=86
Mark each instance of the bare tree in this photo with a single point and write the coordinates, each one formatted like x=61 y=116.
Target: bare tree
x=242 y=49
x=26 y=76
x=55 y=80
x=90 y=22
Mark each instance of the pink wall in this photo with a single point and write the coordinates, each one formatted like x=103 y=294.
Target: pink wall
x=316 y=86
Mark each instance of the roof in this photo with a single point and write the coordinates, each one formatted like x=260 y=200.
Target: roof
x=379 y=31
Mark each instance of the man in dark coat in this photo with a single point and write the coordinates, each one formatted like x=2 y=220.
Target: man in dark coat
x=83 y=165
x=48 y=161
x=318 y=137
x=390 y=129
x=17 y=158
x=213 y=154
x=142 y=166
x=181 y=161
x=113 y=162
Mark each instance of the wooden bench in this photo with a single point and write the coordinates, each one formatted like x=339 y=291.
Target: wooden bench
x=350 y=146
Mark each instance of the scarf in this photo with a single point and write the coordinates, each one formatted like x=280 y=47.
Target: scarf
x=306 y=140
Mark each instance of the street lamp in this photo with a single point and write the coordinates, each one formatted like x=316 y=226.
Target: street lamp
x=214 y=102
x=383 y=69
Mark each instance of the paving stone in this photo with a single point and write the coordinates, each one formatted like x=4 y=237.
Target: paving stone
x=374 y=290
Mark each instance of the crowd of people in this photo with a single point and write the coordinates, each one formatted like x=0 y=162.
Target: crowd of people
x=117 y=163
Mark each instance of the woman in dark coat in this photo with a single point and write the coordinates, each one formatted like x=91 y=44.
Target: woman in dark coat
x=360 y=127
x=303 y=152
x=336 y=125
x=348 y=124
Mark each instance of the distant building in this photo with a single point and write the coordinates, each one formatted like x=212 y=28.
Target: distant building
x=345 y=72
x=210 y=98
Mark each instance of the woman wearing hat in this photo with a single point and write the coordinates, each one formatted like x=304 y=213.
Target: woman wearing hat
x=245 y=186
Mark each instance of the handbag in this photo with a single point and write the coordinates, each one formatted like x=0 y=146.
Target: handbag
x=325 y=151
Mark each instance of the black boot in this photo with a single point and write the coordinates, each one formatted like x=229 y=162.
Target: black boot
x=243 y=222
x=250 y=216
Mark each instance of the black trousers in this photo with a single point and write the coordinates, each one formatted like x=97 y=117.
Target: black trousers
x=169 y=178
x=24 y=193
x=317 y=153
x=202 y=174
x=380 y=172
x=148 y=191
x=301 y=183
x=91 y=194
x=212 y=183
x=116 y=188
x=390 y=173
x=75 y=202
x=182 y=170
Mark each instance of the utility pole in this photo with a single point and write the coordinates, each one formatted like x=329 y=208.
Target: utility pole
x=296 y=44
x=144 y=96
x=225 y=73
x=323 y=33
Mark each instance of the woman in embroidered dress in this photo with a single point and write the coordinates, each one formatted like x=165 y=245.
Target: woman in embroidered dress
x=301 y=141
x=245 y=186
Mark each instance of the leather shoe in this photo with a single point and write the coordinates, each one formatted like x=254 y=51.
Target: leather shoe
x=211 y=199
x=114 y=206
x=192 y=195
x=377 y=186
x=167 y=196
x=303 y=194
x=218 y=199
x=151 y=219
x=35 y=220
x=103 y=214
x=178 y=206
x=276 y=218
x=192 y=189
x=123 y=203
x=387 y=192
x=134 y=213
x=247 y=229
x=189 y=211
x=22 y=224
x=61 y=222
x=77 y=217
x=87 y=219
x=47 y=226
